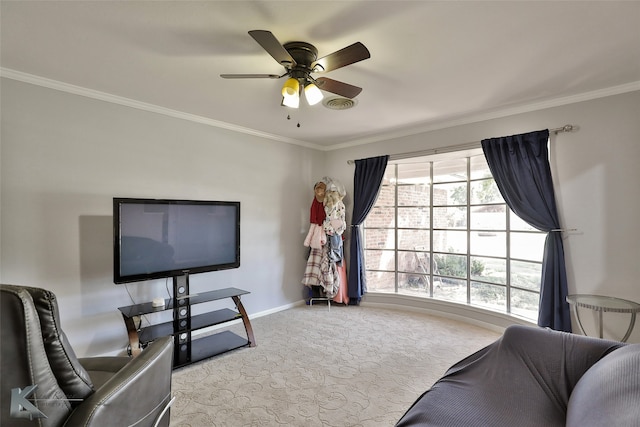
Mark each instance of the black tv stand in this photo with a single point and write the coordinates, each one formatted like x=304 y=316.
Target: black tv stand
x=186 y=349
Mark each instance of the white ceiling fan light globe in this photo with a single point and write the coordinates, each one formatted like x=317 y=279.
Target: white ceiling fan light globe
x=291 y=101
x=313 y=94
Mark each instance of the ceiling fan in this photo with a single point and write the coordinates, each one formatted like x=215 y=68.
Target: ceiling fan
x=300 y=60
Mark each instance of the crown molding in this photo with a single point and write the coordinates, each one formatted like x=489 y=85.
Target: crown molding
x=120 y=100
x=495 y=114
x=399 y=133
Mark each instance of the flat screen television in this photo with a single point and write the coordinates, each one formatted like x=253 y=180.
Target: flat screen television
x=155 y=239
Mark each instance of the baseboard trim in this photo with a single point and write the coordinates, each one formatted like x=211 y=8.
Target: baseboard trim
x=252 y=316
x=486 y=319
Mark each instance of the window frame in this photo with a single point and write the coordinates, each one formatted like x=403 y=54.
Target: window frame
x=392 y=181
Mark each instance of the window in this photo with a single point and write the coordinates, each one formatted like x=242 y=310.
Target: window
x=440 y=229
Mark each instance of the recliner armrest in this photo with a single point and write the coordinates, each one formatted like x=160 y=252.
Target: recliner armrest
x=140 y=390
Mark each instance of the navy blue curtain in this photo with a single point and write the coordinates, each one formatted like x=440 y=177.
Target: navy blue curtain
x=366 y=185
x=520 y=166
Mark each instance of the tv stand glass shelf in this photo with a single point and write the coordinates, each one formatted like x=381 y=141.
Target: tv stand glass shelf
x=186 y=349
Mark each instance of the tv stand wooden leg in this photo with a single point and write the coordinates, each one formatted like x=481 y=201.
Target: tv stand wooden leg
x=134 y=339
x=245 y=320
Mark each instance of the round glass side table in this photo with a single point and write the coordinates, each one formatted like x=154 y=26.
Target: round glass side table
x=603 y=304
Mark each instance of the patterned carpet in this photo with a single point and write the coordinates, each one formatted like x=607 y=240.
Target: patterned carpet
x=348 y=366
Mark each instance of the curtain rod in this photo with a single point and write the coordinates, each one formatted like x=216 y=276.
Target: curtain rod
x=565 y=128
x=449 y=149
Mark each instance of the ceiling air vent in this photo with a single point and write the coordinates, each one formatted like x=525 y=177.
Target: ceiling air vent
x=339 y=103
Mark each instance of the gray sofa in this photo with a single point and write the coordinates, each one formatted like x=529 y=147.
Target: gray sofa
x=535 y=377
x=42 y=383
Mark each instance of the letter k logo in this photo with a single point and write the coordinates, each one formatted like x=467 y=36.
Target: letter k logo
x=21 y=407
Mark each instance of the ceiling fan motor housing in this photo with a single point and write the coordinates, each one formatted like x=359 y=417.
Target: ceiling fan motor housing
x=304 y=54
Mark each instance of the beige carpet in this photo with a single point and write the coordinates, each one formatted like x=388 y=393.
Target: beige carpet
x=348 y=366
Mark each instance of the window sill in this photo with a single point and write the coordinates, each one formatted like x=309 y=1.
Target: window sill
x=487 y=319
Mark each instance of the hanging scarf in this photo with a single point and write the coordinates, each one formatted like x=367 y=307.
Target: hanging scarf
x=317 y=212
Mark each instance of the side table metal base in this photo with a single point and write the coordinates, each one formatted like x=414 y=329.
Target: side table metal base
x=602 y=304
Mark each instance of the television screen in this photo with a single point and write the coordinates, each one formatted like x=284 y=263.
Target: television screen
x=154 y=239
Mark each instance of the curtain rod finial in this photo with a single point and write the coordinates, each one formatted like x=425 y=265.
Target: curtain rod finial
x=566 y=128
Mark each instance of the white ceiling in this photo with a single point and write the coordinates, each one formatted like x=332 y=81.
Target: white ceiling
x=433 y=63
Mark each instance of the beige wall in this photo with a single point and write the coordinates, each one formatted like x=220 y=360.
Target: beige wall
x=64 y=157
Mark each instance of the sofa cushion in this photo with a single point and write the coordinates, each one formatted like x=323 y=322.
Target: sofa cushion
x=608 y=394
x=72 y=378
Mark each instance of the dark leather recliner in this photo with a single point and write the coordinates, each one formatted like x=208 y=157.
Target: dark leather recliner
x=43 y=383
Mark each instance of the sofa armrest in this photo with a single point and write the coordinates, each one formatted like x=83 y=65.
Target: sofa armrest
x=136 y=395
x=523 y=379
x=609 y=392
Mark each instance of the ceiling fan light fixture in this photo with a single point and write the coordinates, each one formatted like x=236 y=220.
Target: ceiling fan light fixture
x=291 y=101
x=291 y=88
x=313 y=94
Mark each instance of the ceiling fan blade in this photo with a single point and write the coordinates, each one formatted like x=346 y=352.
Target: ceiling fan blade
x=250 y=76
x=270 y=43
x=349 y=55
x=339 y=88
